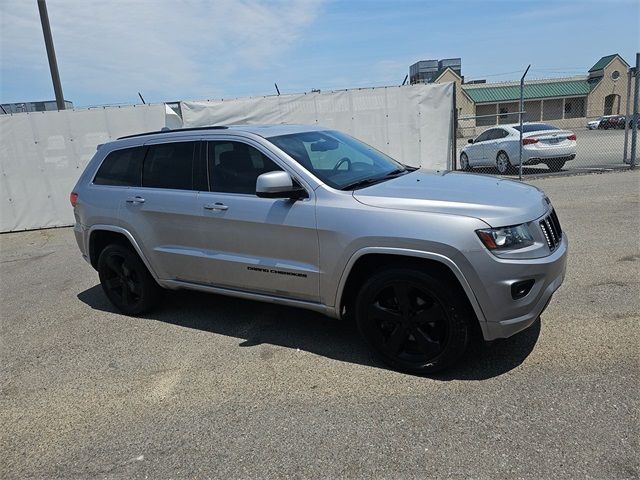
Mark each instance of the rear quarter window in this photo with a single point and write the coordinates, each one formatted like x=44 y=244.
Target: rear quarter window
x=121 y=168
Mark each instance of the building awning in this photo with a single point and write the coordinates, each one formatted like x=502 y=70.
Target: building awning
x=509 y=93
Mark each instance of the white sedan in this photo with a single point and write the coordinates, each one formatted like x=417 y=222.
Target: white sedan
x=499 y=147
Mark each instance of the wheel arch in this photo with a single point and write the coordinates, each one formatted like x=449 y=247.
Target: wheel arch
x=366 y=261
x=102 y=235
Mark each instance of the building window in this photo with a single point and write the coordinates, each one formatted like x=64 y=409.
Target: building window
x=615 y=75
x=574 y=107
x=508 y=113
x=552 y=109
x=482 y=110
x=532 y=109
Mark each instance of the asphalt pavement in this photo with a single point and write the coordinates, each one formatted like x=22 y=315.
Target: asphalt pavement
x=213 y=387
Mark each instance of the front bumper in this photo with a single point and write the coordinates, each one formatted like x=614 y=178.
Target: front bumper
x=492 y=283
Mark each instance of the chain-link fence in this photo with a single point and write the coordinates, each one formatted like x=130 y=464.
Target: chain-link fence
x=492 y=143
x=553 y=125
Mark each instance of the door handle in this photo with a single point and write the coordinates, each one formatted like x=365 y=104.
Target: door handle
x=136 y=199
x=219 y=207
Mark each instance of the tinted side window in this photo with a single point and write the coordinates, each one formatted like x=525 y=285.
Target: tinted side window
x=122 y=168
x=169 y=165
x=497 y=134
x=234 y=167
x=483 y=137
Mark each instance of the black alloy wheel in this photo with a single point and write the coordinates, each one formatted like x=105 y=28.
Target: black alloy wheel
x=412 y=320
x=126 y=281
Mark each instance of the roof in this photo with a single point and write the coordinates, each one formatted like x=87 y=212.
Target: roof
x=274 y=130
x=261 y=130
x=440 y=73
x=604 y=61
x=485 y=93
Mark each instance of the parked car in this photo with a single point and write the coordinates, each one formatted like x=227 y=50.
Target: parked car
x=622 y=119
x=500 y=147
x=595 y=124
x=611 y=121
x=315 y=219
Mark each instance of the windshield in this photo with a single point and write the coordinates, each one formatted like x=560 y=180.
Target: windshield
x=337 y=159
x=535 y=127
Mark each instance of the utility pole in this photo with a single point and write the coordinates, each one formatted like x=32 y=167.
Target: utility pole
x=634 y=132
x=521 y=110
x=51 y=53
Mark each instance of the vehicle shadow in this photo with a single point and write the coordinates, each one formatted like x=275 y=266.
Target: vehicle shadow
x=256 y=323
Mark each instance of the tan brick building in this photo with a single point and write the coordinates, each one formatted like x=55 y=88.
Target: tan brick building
x=566 y=102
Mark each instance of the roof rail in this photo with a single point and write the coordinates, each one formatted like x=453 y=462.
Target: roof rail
x=166 y=130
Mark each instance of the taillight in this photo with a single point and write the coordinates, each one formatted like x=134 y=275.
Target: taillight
x=529 y=141
x=73 y=198
x=571 y=137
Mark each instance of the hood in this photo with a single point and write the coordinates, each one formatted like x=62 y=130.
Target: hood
x=496 y=201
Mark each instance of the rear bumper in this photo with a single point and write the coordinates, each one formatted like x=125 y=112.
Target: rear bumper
x=542 y=159
x=505 y=316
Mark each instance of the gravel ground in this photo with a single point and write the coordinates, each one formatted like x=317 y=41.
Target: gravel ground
x=217 y=387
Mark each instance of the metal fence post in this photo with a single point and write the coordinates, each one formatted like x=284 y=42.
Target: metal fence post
x=454 y=132
x=51 y=54
x=634 y=132
x=520 y=116
x=630 y=73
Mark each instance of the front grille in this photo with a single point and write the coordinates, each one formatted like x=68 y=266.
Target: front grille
x=551 y=229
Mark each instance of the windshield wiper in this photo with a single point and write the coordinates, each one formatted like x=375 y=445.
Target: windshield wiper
x=370 y=181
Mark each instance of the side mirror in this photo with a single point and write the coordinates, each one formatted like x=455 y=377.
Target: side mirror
x=278 y=184
x=471 y=140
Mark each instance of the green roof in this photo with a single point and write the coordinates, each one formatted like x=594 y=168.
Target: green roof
x=603 y=62
x=566 y=88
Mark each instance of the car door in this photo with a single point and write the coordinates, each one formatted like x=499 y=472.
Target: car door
x=255 y=244
x=491 y=145
x=476 y=151
x=162 y=212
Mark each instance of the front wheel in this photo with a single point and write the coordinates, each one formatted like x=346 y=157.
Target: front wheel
x=415 y=322
x=464 y=162
x=126 y=280
x=503 y=164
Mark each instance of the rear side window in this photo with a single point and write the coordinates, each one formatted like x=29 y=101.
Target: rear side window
x=121 y=168
x=535 y=127
x=169 y=165
x=498 y=133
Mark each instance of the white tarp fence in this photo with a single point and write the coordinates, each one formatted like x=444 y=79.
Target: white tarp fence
x=411 y=124
x=42 y=155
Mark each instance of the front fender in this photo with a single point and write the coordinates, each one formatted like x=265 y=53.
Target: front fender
x=451 y=264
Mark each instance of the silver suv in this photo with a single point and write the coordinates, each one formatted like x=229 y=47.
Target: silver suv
x=313 y=218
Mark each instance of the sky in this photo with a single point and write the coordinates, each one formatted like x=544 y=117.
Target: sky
x=109 y=50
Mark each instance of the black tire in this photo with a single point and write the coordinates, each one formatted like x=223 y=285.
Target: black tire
x=414 y=322
x=126 y=281
x=556 y=165
x=464 y=162
x=503 y=163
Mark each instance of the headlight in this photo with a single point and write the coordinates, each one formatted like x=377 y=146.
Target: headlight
x=506 y=238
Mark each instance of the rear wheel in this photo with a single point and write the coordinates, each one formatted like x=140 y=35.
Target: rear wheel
x=503 y=164
x=413 y=321
x=126 y=280
x=464 y=162
x=555 y=165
